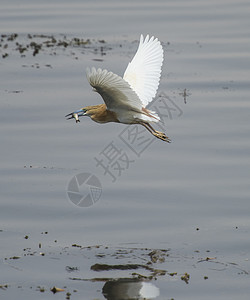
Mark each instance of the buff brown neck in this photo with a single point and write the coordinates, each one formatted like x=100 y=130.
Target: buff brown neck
x=100 y=114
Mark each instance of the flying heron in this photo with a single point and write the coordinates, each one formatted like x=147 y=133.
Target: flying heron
x=125 y=99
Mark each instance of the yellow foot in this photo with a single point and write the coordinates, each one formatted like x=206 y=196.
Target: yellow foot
x=162 y=136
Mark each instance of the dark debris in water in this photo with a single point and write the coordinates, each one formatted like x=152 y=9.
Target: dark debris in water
x=56 y=290
x=153 y=272
x=185 y=278
x=116 y=265
x=71 y=269
x=3 y=286
x=34 y=44
x=158 y=255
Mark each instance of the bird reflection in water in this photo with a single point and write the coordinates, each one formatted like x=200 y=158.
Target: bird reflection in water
x=128 y=288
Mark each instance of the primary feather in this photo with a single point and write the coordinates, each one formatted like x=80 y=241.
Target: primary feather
x=144 y=71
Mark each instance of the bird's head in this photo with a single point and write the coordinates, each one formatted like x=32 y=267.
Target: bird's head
x=78 y=113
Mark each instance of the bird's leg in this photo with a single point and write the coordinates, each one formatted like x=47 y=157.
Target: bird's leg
x=156 y=131
x=158 y=134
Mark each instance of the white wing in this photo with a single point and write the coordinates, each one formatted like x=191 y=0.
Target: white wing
x=144 y=71
x=115 y=91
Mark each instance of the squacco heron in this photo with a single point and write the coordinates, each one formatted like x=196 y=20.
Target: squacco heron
x=125 y=99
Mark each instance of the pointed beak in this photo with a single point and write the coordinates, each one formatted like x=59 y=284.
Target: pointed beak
x=75 y=115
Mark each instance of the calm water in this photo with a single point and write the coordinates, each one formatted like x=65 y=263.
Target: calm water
x=190 y=196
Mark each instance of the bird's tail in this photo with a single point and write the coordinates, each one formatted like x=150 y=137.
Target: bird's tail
x=151 y=114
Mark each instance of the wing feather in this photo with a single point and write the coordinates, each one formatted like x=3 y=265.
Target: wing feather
x=115 y=91
x=144 y=71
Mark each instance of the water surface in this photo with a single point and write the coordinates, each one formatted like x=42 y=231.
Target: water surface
x=190 y=196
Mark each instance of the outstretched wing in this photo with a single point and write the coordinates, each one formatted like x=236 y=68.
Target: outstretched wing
x=115 y=91
x=144 y=71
